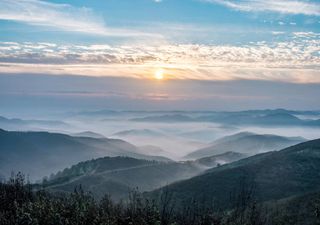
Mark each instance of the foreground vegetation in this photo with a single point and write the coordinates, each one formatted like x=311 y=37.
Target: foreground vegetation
x=20 y=204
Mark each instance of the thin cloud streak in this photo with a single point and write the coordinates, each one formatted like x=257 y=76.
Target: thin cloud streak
x=284 y=7
x=289 y=75
x=61 y=16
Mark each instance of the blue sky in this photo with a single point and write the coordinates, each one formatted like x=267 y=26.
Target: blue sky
x=207 y=40
x=187 y=21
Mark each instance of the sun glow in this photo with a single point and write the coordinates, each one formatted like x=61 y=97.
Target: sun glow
x=159 y=74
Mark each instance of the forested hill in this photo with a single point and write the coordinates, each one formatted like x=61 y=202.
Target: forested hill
x=274 y=175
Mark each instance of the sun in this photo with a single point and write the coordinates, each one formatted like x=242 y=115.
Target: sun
x=159 y=74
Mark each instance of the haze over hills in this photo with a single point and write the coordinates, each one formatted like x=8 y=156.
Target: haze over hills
x=20 y=124
x=275 y=175
x=246 y=143
x=40 y=153
x=278 y=117
x=177 y=138
x=221 y=159
x=152 y=150
x=209 y=133
x=172 y=144
x=139 y=132
x=217 y=168
x=165 y=118
x=88 y=134
x=117 y=176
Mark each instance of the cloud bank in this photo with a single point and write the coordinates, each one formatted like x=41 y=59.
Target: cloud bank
x=294 y=60
x=310 y=8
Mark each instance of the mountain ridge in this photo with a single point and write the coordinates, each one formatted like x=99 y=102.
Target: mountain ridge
x=41 y=153
x=298 y=164
x=246 y=143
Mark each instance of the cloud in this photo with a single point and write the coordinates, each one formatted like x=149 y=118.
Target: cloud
x=307 y=35
x=62 y=16
x=277 y=32
x=294 y=60
x=284 y=7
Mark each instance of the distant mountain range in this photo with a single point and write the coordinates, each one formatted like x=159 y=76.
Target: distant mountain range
x=276 y=175
x=20 y=124
x=139 y=132
x=246 y=143
x=107 y=112
x=278 y=117
x=88 y=134
x=165 y=118
x=40 y=153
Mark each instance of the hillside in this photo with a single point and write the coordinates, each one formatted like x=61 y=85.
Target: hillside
x=301 y=209
x=41 y=153
x=218 y=160
x=88 y=134
x=274 y=175
x=117 y=176
x=246 y=143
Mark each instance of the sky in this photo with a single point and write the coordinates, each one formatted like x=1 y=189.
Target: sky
x=189 y=48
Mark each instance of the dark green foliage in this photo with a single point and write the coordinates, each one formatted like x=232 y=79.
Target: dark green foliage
x=97 y=166
x=20 y=205
x=296 y=210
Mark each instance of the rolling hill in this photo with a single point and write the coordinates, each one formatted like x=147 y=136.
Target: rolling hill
x=218 y=160
x=41 y=153
x=246 y=143
x=118 y=175
x=276 y=175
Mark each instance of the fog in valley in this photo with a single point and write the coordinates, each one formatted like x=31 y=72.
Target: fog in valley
x=172 y=138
